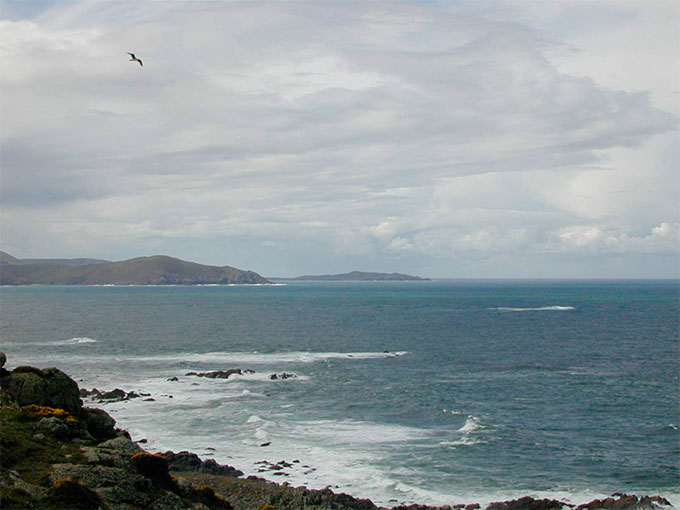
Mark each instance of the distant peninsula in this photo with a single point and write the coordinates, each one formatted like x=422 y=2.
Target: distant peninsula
x=359 y=276
x=156 y=270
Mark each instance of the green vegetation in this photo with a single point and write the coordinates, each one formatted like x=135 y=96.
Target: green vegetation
x=27 y=450
x=156 y=270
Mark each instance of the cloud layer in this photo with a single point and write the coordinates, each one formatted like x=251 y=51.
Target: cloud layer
x=312 y=136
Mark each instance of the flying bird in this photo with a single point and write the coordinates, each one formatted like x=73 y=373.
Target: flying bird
x=135 y=59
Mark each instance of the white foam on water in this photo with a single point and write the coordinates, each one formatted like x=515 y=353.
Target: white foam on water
x=352 y=454
x=71 y=341
x=353 y=432
x=253 y=357
x=471 y=424
x=76 y=341
x=470 y=430
x=554 y=308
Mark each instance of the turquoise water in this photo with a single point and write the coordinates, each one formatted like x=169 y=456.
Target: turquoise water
x=433 y=392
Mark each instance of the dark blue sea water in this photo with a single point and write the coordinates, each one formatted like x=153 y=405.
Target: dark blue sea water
x=432 y=392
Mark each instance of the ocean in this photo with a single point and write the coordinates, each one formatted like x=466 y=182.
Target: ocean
x=436 y=392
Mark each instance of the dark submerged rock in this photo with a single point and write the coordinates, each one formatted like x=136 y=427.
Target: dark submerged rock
x=284 y=375
x=220 y=374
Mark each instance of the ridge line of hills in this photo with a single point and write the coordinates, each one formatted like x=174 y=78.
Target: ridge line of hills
x=154 y=270
x=356 y=276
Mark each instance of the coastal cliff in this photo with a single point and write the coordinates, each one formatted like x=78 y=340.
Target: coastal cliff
x=57 y=453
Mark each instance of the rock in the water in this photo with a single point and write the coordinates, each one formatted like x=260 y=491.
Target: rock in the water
x=626 y=502
x=190 y=462
x=219 y=374
x=3 y=359
x=48 y=387
x=284 y=375
x=527 y=503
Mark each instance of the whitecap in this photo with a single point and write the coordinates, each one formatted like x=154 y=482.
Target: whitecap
x=76 y=341
x=471 y=424
x=187 y=359
x=553 y=308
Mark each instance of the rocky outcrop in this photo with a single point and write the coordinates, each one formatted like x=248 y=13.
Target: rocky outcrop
x=47 y=387
x=527 y=503
x=71 y=457
x=191 y=463
x=626 y=502
x=221 y=374
x=284 y=375
x=116 y=395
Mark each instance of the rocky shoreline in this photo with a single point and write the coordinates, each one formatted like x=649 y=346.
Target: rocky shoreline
x=57 y=453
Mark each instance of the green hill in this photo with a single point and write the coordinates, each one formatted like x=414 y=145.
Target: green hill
x=6 y=258
x=156 y=270
x=360 y=276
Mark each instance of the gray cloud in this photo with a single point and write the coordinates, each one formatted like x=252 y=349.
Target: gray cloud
x=389 y=133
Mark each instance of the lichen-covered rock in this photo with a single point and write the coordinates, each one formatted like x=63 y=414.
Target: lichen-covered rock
x=207 y=496
x=48 y=387
x=54 y=426
x=168 y=501
x=115 y=485
x=67 y=493
x=123 y=444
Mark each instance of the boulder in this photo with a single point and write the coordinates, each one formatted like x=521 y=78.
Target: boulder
x=284 y=375
x=153 y=466
x=55 y=427
x=219 y=374
x=113 y=484
x=527 y=503
x=190 y=462
x=68 y=493
x=626 y=502
x=99 y=423
x=48 y=387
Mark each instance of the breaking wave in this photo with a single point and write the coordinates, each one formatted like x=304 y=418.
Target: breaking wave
x=75 y=341
x=256 y=357
x=535 y=309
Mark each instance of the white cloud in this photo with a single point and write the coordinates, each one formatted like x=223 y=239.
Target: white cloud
x=393 y=132
x=596 y=239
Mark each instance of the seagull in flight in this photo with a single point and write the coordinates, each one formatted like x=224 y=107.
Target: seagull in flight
x=135 y=59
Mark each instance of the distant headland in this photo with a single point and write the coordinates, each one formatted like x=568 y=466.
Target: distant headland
x=156 y=270
x=360 y=276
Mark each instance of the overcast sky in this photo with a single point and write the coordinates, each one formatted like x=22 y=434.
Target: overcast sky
x=439 y=138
